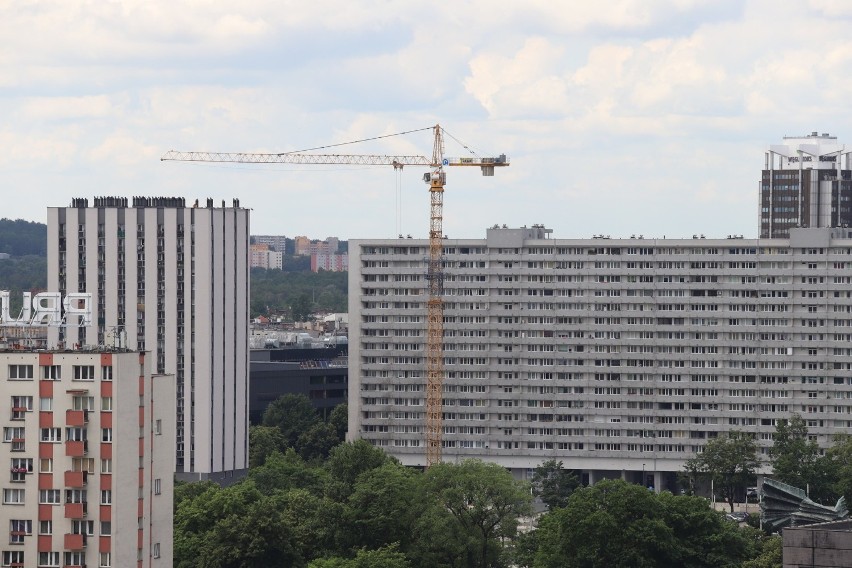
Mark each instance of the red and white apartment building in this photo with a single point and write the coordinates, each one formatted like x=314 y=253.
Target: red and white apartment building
x=88 y=437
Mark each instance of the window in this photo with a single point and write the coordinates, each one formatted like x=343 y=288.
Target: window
x=158 y=427
x=20 y=372
x=106 y=528
x=20 y=468
x=76 y=496
x=75 y=558
x=18 y=529
x=22 y=404
x=106 y=373
x=48 y=559
x=105 y=560
x=106 y=434
x=84 y=372
x=45 y=465
x=45 y=527
x=75 y=434
x=13 y=433
x=83 y=527
x=106 y=465
x=106 y=497
x=51 y=435
x=49 y=497
x=51 y=372
x=83 y=403
x=45 y=404
x=157 y=486
x=106 y=403
x=156 y=551
x=13 y=558
x=13 y=496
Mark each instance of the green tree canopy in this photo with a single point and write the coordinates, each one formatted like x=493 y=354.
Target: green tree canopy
x=347 y=461
x=385 y=505
x=484 y=500
x=264 y=441
x=614 y=524
x=293 y=414
x=730 y=461
x=796 y=460
x=553 y=484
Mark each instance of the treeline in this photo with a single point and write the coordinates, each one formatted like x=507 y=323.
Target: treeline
x=308 y=504
x=23 y=238
x=297 y=294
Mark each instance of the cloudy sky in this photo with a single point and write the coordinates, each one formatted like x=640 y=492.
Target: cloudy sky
x=619 y=116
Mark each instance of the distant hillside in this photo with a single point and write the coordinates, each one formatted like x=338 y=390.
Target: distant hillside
x=23 y=238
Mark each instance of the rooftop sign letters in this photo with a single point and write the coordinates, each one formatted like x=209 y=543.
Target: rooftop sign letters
x=48 y=309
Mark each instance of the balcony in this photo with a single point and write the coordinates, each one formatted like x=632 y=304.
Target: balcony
x=76 y=510
x=75 y=541
x=76 y=417
x=76 y=478
x=76 y=448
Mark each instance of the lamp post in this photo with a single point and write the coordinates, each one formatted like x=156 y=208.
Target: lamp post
x=644 y=479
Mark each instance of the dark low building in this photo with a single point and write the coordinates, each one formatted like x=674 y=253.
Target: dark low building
x=319 y=374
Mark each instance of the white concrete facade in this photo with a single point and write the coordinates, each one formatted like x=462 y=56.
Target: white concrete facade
x=88 y=435
x=172 y=280
x=620 y=357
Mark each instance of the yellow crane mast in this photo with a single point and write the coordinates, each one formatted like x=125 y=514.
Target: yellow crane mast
x=436 y=179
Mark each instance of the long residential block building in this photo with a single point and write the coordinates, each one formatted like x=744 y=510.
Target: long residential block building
x=619 y=357
x=88 y=443
x=174 y=281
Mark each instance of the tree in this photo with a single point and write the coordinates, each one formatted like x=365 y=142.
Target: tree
x=347 y=461
x=385 y=505
x=339 y=418
x=553 y=484
x=614 y=524
x=387 y=557
x=796 y=460
x=839 y=457
x=301 y=308
x=293 y=414
x=317 y=441
x=769 y=555
x=264 y=441
x=485 y=502
x=282 y=472
x=729 y=461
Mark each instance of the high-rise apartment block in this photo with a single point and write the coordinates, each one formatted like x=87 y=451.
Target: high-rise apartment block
x=263 y=257
x=807 y=182
x=619 y=357
x=174 y=281
x=88 y=440
x=277 y=242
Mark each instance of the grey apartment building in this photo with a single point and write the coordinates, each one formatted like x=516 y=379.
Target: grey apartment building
x=620 y=357
x=172 y=280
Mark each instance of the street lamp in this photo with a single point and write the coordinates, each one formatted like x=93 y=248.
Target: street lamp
x=644 y=479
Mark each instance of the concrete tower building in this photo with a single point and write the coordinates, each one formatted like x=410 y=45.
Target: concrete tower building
x=174 y=281
x=619 y=357
x=806 y=182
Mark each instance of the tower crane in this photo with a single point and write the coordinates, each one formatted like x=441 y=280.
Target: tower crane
x=436 y=179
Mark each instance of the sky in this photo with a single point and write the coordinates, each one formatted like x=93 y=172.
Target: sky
x=619 y=117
